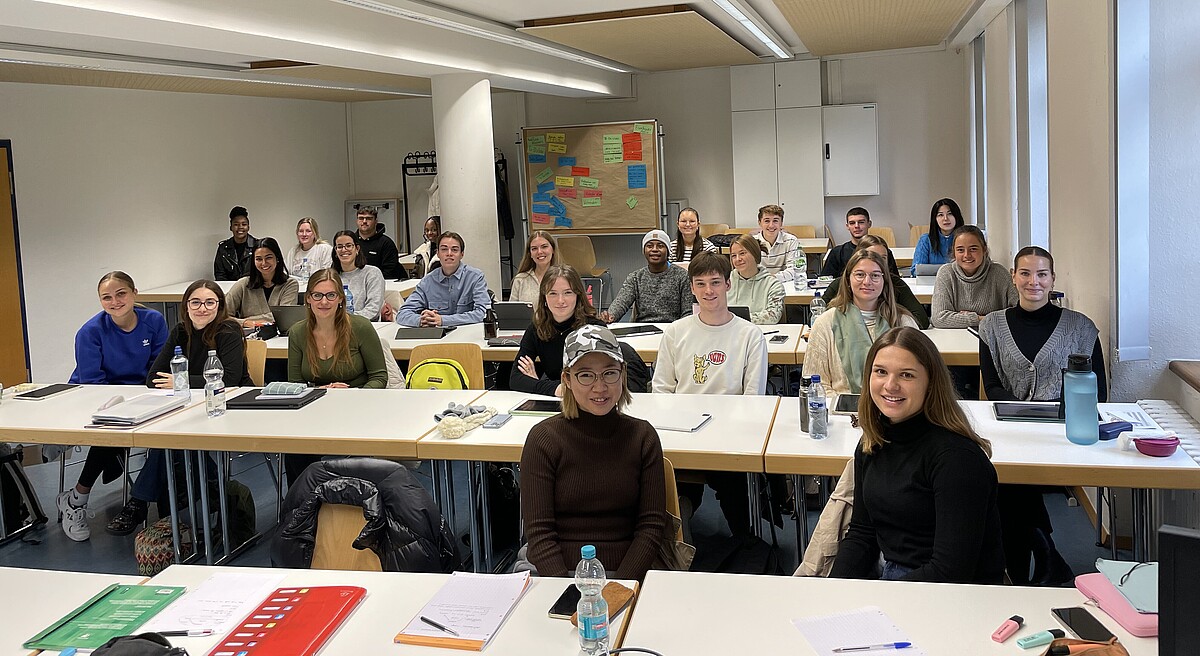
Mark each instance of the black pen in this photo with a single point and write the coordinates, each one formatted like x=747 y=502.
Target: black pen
x=191 y=633
x=770 y=332
x=439 y=627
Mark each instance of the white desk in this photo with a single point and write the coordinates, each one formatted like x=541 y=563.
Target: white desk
x=753 y=614
x=173 y=293
x=40 y=597
x=921 y=286
x=60 y=419
x=903 y=257
x=394 y=598
x=957 y=346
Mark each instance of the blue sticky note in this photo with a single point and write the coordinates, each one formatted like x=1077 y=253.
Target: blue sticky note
x=566 y=161
x=537 y=159
x=541 y=197
x=558 y=205
x=542 y=208
x=562 y=222
x=545 y=187
x=557 y=211
x=637 y=176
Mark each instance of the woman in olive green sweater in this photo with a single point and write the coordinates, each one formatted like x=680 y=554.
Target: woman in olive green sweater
x=331 y=348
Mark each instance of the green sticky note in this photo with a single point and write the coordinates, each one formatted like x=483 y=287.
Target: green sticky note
x=545 y=175
x=589 y=183
x=612 y=138
x=631 y=202
x=536 y=149
x=610 y=149
x=594 y=202
x=612 y=158
x=537 y=140
x=644 y=128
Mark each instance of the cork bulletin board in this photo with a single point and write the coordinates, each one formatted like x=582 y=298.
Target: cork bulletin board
x=593 y=179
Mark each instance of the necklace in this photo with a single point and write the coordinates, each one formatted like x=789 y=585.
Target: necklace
x=324 y=344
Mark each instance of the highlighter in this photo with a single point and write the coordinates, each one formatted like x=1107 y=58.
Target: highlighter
x=1067 y=650
x=1008 y=628
x=1039 y=639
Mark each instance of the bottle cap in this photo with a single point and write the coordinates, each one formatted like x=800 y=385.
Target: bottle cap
x=212 y=351
x=817 y=379
x=588 y=552
x=178 y=350
x=1079 y=363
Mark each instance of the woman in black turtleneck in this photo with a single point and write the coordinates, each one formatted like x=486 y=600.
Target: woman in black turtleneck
x=562 y=307
x=926 y=490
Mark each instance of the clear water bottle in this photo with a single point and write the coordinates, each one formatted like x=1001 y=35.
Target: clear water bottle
x=180 y=386
x=592 y=609
x=214 y=385
x=302 y=273
x=349 y=299
x=805 y=383
x=1079 y=398
x=1059 y=299
x=818 y=412
x=816 y=308
x=801 y=274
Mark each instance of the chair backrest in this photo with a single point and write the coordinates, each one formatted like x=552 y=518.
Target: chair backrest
x=256 y=360
x=709 y=229
x=470 y=356
x=915 y=232
x=337 y=527
x=577 y=251
x=885 y=233
x=829 y=234
x=672 y=493
x=802 y=231
x=741 y=231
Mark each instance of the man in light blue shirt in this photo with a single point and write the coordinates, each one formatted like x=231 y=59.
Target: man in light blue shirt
x=453 y=295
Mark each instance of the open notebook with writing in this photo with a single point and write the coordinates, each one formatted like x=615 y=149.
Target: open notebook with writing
x=473 y=606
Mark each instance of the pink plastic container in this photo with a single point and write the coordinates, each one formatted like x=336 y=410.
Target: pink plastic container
x=1159 y=447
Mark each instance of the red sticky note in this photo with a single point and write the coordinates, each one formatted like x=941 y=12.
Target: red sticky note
x=632 y=152
x=542 y=218
x=630 y=137
x=592 y=193
x=567 y=193
x=580 y=170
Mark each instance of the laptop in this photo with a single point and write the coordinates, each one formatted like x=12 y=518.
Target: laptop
x=633 y=331
x=928 y=269
x=742 y=311
x=139 y=409
x=513 y=316
x=253 y=400
x=423 y=333
x=287 y=316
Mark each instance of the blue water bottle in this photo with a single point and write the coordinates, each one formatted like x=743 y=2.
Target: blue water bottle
x=1079 y=400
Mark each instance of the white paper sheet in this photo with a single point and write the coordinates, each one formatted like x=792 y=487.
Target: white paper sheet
x=473 y=605
x=865 y=626
x=218 y=604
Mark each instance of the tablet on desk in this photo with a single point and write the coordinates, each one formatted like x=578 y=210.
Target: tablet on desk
x=846 y=404
x=423 y=333
x=537 y=407
x=45 y=392
x=1020 y=411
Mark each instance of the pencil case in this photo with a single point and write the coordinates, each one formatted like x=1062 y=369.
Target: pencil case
x=1109 y=599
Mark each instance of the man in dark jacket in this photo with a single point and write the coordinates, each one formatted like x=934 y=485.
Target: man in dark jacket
x=234 y=254
x=378 y=248
x=858 y=222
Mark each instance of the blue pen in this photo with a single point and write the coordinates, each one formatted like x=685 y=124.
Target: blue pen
x=884 y=645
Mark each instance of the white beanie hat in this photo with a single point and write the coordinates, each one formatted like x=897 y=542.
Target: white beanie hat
x=656 y=235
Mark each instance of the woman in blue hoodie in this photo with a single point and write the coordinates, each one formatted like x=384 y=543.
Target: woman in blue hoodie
x=944 y=217
x=115 y=347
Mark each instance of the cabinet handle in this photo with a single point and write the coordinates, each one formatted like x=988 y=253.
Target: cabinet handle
x=826 y=151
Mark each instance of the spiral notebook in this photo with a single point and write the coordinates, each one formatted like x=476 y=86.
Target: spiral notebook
x=467 y=612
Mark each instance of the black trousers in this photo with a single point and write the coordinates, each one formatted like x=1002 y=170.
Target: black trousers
x=1022 y=514
x=108 y=461
x=732 y=493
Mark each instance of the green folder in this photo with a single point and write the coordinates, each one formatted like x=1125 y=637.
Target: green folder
x=116 y=611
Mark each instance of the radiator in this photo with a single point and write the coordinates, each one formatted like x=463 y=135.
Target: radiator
x=1178 y=507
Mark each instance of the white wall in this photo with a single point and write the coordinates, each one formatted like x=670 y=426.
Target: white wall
x=999 y=106
x=924 y=146
x=143 y=181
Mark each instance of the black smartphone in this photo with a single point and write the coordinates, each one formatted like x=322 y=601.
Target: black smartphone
x=567 y=602
x=778 y=339
x=1082 y=623
x=44 y=392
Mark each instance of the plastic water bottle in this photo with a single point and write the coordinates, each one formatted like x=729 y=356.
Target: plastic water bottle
x=1059 y=299
x=180 y=386
x=303 y=272
x=592 y=609
x=349 y=299
x=801 y=273
x=818 y=413
x=1079 y=397
x=214 y=385
x=816 y=308
x=805 y=383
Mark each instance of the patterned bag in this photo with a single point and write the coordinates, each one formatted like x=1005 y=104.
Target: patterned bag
x=153 y=549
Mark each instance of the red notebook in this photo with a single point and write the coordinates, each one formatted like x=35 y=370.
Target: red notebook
x=292 y=622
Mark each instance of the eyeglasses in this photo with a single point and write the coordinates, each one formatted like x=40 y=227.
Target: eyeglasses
x=344 y=247
x=208 y=304
x=589 y=378
x=862 y=275
x=329 y=296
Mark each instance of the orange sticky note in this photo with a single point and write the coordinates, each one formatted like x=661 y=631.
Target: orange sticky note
x=580 y=170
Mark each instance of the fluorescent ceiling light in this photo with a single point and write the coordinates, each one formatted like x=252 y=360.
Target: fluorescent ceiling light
x=510 y=37
x=737 y=13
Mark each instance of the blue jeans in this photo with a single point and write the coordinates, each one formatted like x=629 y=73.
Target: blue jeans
x=151 y=482
x=893 y=571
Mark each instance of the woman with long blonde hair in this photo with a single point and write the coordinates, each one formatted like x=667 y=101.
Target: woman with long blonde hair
x=311 y=253
x=541 y=253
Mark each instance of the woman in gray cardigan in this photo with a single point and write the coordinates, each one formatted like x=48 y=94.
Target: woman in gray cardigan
x=971 y=286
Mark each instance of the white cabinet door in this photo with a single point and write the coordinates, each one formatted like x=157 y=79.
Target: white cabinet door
x=851 y=150
x=752 y=87
x=755 y=179
x=798 y=84
x=799 y=153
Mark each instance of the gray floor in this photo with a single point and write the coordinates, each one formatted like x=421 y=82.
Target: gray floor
x=49 y=547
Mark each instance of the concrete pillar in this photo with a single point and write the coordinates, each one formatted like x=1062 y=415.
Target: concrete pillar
x=462 y=133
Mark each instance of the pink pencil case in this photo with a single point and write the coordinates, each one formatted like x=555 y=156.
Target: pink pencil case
x=1109 y=599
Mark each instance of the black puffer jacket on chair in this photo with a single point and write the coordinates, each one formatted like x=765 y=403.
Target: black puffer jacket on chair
x=404 y=527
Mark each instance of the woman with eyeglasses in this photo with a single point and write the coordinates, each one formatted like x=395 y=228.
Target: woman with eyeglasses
x=864 y=308
x=250 y=299
x=365 y=281
x=904 y=295
x=589 y=446
x=332 y=348
x=205 y=326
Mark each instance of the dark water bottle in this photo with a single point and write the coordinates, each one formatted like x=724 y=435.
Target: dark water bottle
x=490 y=324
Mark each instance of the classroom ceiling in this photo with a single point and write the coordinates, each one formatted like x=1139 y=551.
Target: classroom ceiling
x=835 y=27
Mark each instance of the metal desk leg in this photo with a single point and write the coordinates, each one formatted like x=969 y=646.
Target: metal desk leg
x=473 y=521
x=435 y=475
x=174 y=506
x=1112 y=525
x=801 y=517
x=755 y=504
x=202 y=467
x=1141 y=524
x=222 y=502
x=448 y=479
x=486 y=516
x=191 y=493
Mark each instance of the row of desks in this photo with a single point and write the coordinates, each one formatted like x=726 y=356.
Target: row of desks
x=740 y=613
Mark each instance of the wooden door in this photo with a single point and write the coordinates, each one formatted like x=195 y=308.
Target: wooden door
x=14 y=349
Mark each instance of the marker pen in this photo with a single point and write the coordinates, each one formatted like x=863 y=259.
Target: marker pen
x=1039 y=639
x=1008 y=628
x=1067 y=650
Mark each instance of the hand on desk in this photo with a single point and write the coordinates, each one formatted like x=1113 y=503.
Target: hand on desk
x=430 y=319
x=335 y=386
x=606 y=317
x=387 y=313
x=163 y=380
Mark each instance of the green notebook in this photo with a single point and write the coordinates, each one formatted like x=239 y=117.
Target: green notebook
x=116 y=611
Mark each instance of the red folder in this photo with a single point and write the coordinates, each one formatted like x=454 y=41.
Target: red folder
x=292 y=622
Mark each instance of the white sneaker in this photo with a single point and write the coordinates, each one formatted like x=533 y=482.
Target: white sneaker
x=74 y=520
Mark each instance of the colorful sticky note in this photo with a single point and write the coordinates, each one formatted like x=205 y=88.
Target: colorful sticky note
x=556 y=148
x=542 y=208
x=577 y=170
x=567 y=161
x=632 y=152
x=536 y=149
x=541 y=197
x=537 y=159
x=546 y=187
x=562 y=222
x=645 y=129
x=612 y=138
x=631 y=202
x=591 y=202
x=564 y=181
x=567 y=193
x=537 y=140
x=556 y=137
x=613 y=149
x=541 y=218
x=631 y=137
x=592 y=193
x=557 y=207
x=545 y=175
x=637 y=176
x=590 y=183
x=613 y=158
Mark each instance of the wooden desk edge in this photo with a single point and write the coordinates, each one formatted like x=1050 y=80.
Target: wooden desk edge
x=374 y=446
x=1188 y=371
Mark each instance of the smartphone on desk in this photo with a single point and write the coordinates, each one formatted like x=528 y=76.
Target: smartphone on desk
x=497 y=420
x=1083 y=624
x=45 y=392
x=566 y=604
x=778 y=339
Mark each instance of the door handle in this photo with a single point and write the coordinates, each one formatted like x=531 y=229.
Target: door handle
x=826 y=151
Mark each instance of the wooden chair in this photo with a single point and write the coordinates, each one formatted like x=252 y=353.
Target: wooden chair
x=672 y=493
x=915 y=232
x=885 y=233
x=577 y=251
x=741 y=231
x=709 y=229
x=802 y=231
x=829 y=234
x=337 y=527
x=469 y=355
x=256 y=360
